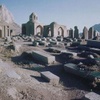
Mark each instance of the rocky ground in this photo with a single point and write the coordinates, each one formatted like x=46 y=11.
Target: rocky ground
x=21 y=81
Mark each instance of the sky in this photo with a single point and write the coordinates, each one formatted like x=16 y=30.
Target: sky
x=65 y=12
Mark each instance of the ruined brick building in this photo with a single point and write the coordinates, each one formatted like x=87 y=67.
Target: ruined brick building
x=7 y=25
x=33 y=27
x=89 y=34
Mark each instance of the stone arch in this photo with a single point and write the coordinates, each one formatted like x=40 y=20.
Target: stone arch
x=90 y=35
x=39 y=30
x=24 y=30
x=0 y=32
x=49 y=32
x=60 y=31
x=30 y=29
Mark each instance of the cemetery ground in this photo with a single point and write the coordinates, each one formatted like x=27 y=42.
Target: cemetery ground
x=20 y=77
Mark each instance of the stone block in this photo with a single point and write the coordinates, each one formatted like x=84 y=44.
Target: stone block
x=93 y=43
x=53 y=79
x=58 y=49
x=91 y=96
x=70 y=53
x=73 y=53
x=43 y=57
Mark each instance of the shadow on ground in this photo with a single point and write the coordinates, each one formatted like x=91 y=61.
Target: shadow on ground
x=69 y=81
x=66 y=79
x=40 y=79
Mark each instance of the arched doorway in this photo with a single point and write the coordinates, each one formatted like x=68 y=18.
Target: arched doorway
x=24 y=30
x=89 y=35
x=39 y=30
x=49 y=32
x=60 y=31
x=0 y=33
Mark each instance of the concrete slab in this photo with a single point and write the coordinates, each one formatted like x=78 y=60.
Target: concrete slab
x=53 y=79
x=92 y=43
x=92 y=96
x=70 y=52
x=43 y=57
x=73 y=53
x=58 y=49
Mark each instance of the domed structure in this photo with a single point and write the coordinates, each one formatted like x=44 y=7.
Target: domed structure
x=32 y=27
x=35 y=28
x=33 y=17
x=53 y=23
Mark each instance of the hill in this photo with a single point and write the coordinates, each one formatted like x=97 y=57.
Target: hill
x=97 y=27
x=7 y=17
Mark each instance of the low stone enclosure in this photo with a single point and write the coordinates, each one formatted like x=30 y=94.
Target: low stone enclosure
x=53 y=79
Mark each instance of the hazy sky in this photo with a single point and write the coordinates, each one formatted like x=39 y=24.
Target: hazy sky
x=66 y=12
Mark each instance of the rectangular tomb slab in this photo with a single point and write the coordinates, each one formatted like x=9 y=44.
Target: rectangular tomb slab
x=58 y=49
x=93 y=42
x=91 y=96
x=43 y=57
x=53 y=79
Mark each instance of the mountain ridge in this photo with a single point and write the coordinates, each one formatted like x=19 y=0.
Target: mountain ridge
x=97 y=27
x=7 y=17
